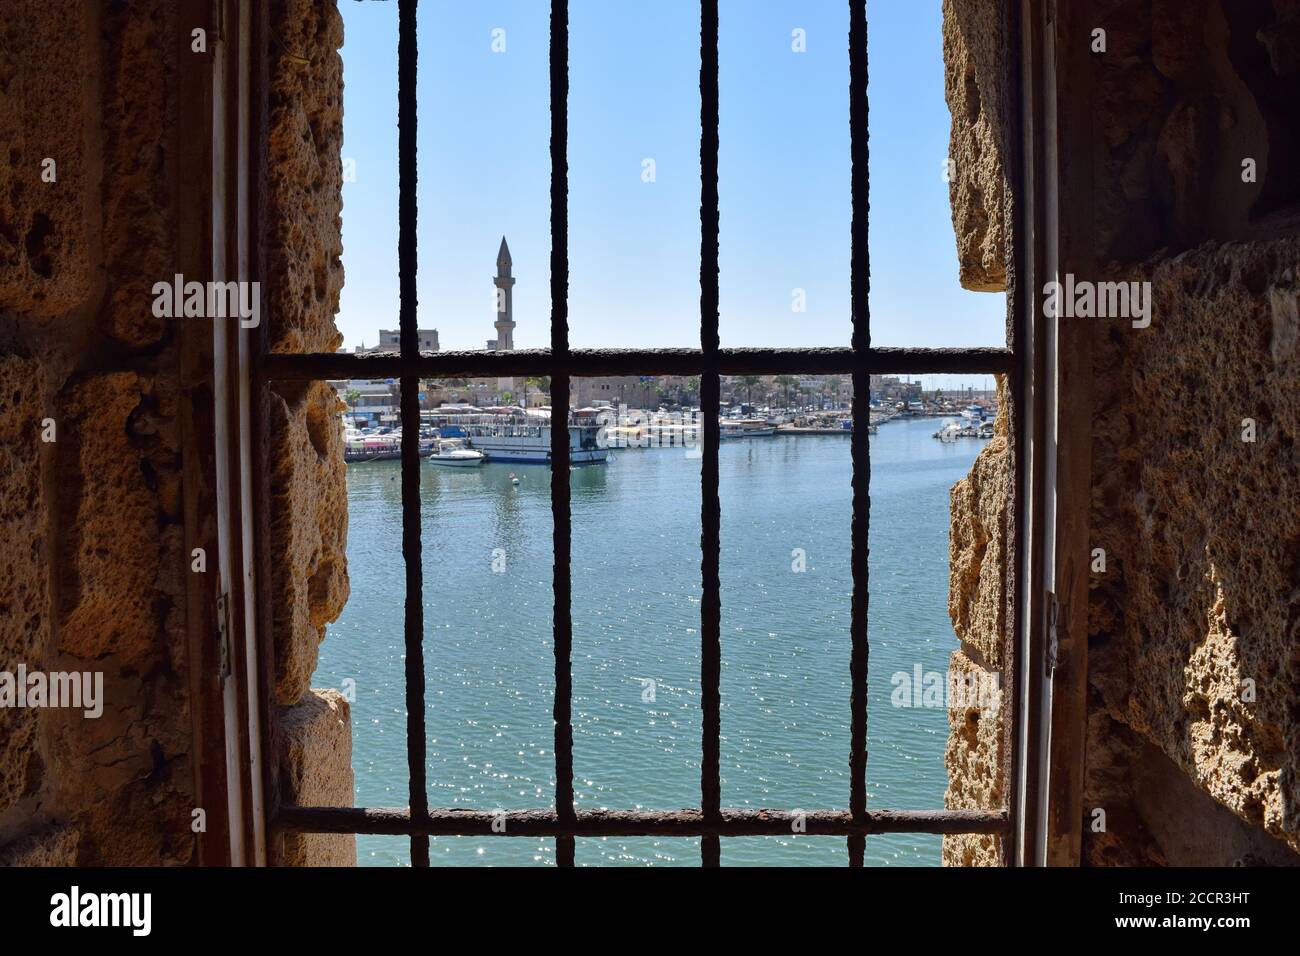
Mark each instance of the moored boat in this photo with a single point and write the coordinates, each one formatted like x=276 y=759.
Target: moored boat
x=452 y=453
x=745 y=428
x=530 y=443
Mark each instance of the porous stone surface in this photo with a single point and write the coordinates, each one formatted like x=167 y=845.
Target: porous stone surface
x=52 y=846
x=93 y=565
x=978 y=555
x=45 y=262
x=973 y=759
x=1195 y=626
x=1141 y=809
x=978 y=540
x=140 y=122
x=316 y=771
x=305 y=176
x=309 y=528
x=108 y=545
x=24 y=590
x=1184 y=94
x=974 y=43
x=95 y=574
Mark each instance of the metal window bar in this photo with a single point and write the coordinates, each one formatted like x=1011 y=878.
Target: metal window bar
x=711 y=821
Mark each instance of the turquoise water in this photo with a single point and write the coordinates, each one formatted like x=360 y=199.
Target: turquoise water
x=636 y=594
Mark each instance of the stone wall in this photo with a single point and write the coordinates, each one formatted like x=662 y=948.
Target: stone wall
x=976 y=63
x=1179 y=147
x=306 y=474
x=92 y=565
x=94 y=569
x=977 y=603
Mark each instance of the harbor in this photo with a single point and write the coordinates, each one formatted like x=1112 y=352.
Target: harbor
x=523 y=436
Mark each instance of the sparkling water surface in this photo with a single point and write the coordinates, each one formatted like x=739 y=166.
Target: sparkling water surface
x=786 y=503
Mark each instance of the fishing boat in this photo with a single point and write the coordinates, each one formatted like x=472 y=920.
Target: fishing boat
x=530 y=442
x=745 y=428
x=452 y=453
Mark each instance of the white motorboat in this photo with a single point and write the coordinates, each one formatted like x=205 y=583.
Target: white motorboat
x=453 y=453
x=950 y=431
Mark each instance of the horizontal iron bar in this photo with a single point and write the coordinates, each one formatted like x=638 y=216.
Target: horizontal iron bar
x=594 y=362
x=630 y=823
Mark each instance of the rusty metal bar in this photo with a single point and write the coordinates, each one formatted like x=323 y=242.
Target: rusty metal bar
x=728 y=822
x=562 y=531
x=710 y=397
x=859 y=534
x=593 y=362
x=410 y=413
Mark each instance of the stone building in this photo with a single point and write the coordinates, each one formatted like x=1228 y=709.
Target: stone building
x=200 y=575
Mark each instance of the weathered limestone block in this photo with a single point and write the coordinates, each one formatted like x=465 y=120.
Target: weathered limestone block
x=109 y=536
x=974 y=761
x=1123 y=840
x=1154 y=815
x=305 y=176
x=978 y=548
x=24 y=586
x=1195 y=626
x=309 y=528
x=1185 y=91
x=974 y=57
x=126 y=779
x=316 y=770
x=52 y=846
x=139 y=146
x=45 y=264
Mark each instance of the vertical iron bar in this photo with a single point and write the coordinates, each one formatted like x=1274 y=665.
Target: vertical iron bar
x=860 y=286
x=560 y=484
x=710 y=507
x=410 y=412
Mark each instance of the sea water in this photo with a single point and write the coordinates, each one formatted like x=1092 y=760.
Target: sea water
x=786 y=585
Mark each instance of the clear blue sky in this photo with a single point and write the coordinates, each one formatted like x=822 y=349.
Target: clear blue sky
x=484 y=169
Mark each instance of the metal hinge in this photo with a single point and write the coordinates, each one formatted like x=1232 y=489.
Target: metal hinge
x=1053 y=642
x=223 y=635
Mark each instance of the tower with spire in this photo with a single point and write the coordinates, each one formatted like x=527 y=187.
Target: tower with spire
x=505 y=323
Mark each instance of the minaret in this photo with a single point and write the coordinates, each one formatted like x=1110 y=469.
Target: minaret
x=505 y=306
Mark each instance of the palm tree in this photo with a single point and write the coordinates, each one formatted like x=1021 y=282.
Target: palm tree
x=835 y=383
x=351 y=397
x=785 y=381
x=749 y=381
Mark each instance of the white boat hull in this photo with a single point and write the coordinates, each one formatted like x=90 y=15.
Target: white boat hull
x=448 y=461
x=531 y=446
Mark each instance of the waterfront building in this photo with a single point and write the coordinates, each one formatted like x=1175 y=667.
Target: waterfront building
x=373 y=402
x=390 y=340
